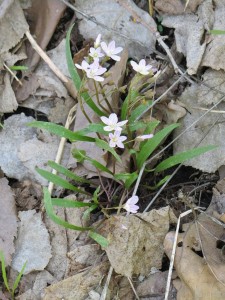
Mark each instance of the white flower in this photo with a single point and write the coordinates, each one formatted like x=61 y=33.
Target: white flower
x=141 y=68
x=97 y=41
x=130 y=205
x=112 y=122
x=111 y=50
x=116 y=139
x=96 y=53
x=141 y=138
x=84 y=66
x=95 y=70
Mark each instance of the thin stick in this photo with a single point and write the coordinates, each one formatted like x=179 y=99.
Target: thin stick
x=174 y=252
x=132 y=286
x=104 y=292
x=66 y=81
x=62 y=143
x=13 y=75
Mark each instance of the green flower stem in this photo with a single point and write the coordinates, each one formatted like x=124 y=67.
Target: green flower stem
x=98 y=100
x=105 y=98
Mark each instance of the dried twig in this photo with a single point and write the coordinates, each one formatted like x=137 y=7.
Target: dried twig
x=132 y=286
x=13 y=75
x=62 y=143
x=174 y=251
x=104 y=292
x=66 y=81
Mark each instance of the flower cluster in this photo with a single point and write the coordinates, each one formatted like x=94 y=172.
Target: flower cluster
x=93 y=67
x=115 y=139
x=101 y=52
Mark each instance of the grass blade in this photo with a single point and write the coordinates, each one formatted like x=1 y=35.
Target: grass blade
x=66 y=172
x=181 y=157
x=138 y=111
x=99 y=239
x=59 y=181
x=217 y=31
x=4 y=276
x=18 y=278
x=69 y=203
x=105 y=146
x=61 y=131
x=99 y=166
x=55 y=218
x=132 y=95
x=153 y=143
x=86 y=214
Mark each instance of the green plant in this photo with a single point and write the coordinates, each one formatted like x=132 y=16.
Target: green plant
x=12 y=289
x=139 y=138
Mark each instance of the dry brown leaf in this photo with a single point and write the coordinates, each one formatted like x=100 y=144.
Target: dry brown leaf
x=209 y=130
x=189 y=30
x=80 y=284
x=177 y=7
x=28 y=195
x=214 y=56
x=205 y=93
x=58 y=262
x=32 y=245
x=199 y=278
x=191 y=37
x=135 y=241
x=134 y=36
x=8 y=102
x=154 y=286
x=172 y=111
x=82 y=257
x=44 y=16
x=12 y=25
x=44 y=92
x=8 y=220
x=39 y=283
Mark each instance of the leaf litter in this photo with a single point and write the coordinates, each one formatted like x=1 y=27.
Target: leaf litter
x=193 y=41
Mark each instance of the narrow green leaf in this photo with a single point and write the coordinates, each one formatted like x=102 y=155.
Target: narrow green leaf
x=69 y=203
x=59 y=181
x=99 y=239
x=55 y=218
x=153 y=143
x=138 y=111
x=99 y=166
x=76 y=78
x=181 y=157
x=160 y=183
x=132 y=95
x=72 y=70
x=217 y=31
x=79 y=155
x=4 y=276
x=86 y=214
x=18 y=278
x=105 y=146
x=61 y=131
x=127 y=178
x=93 y=127
x=137 y=125
x=18 y=68
x=151 y=126
x=95 y=195
x=66 y=172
